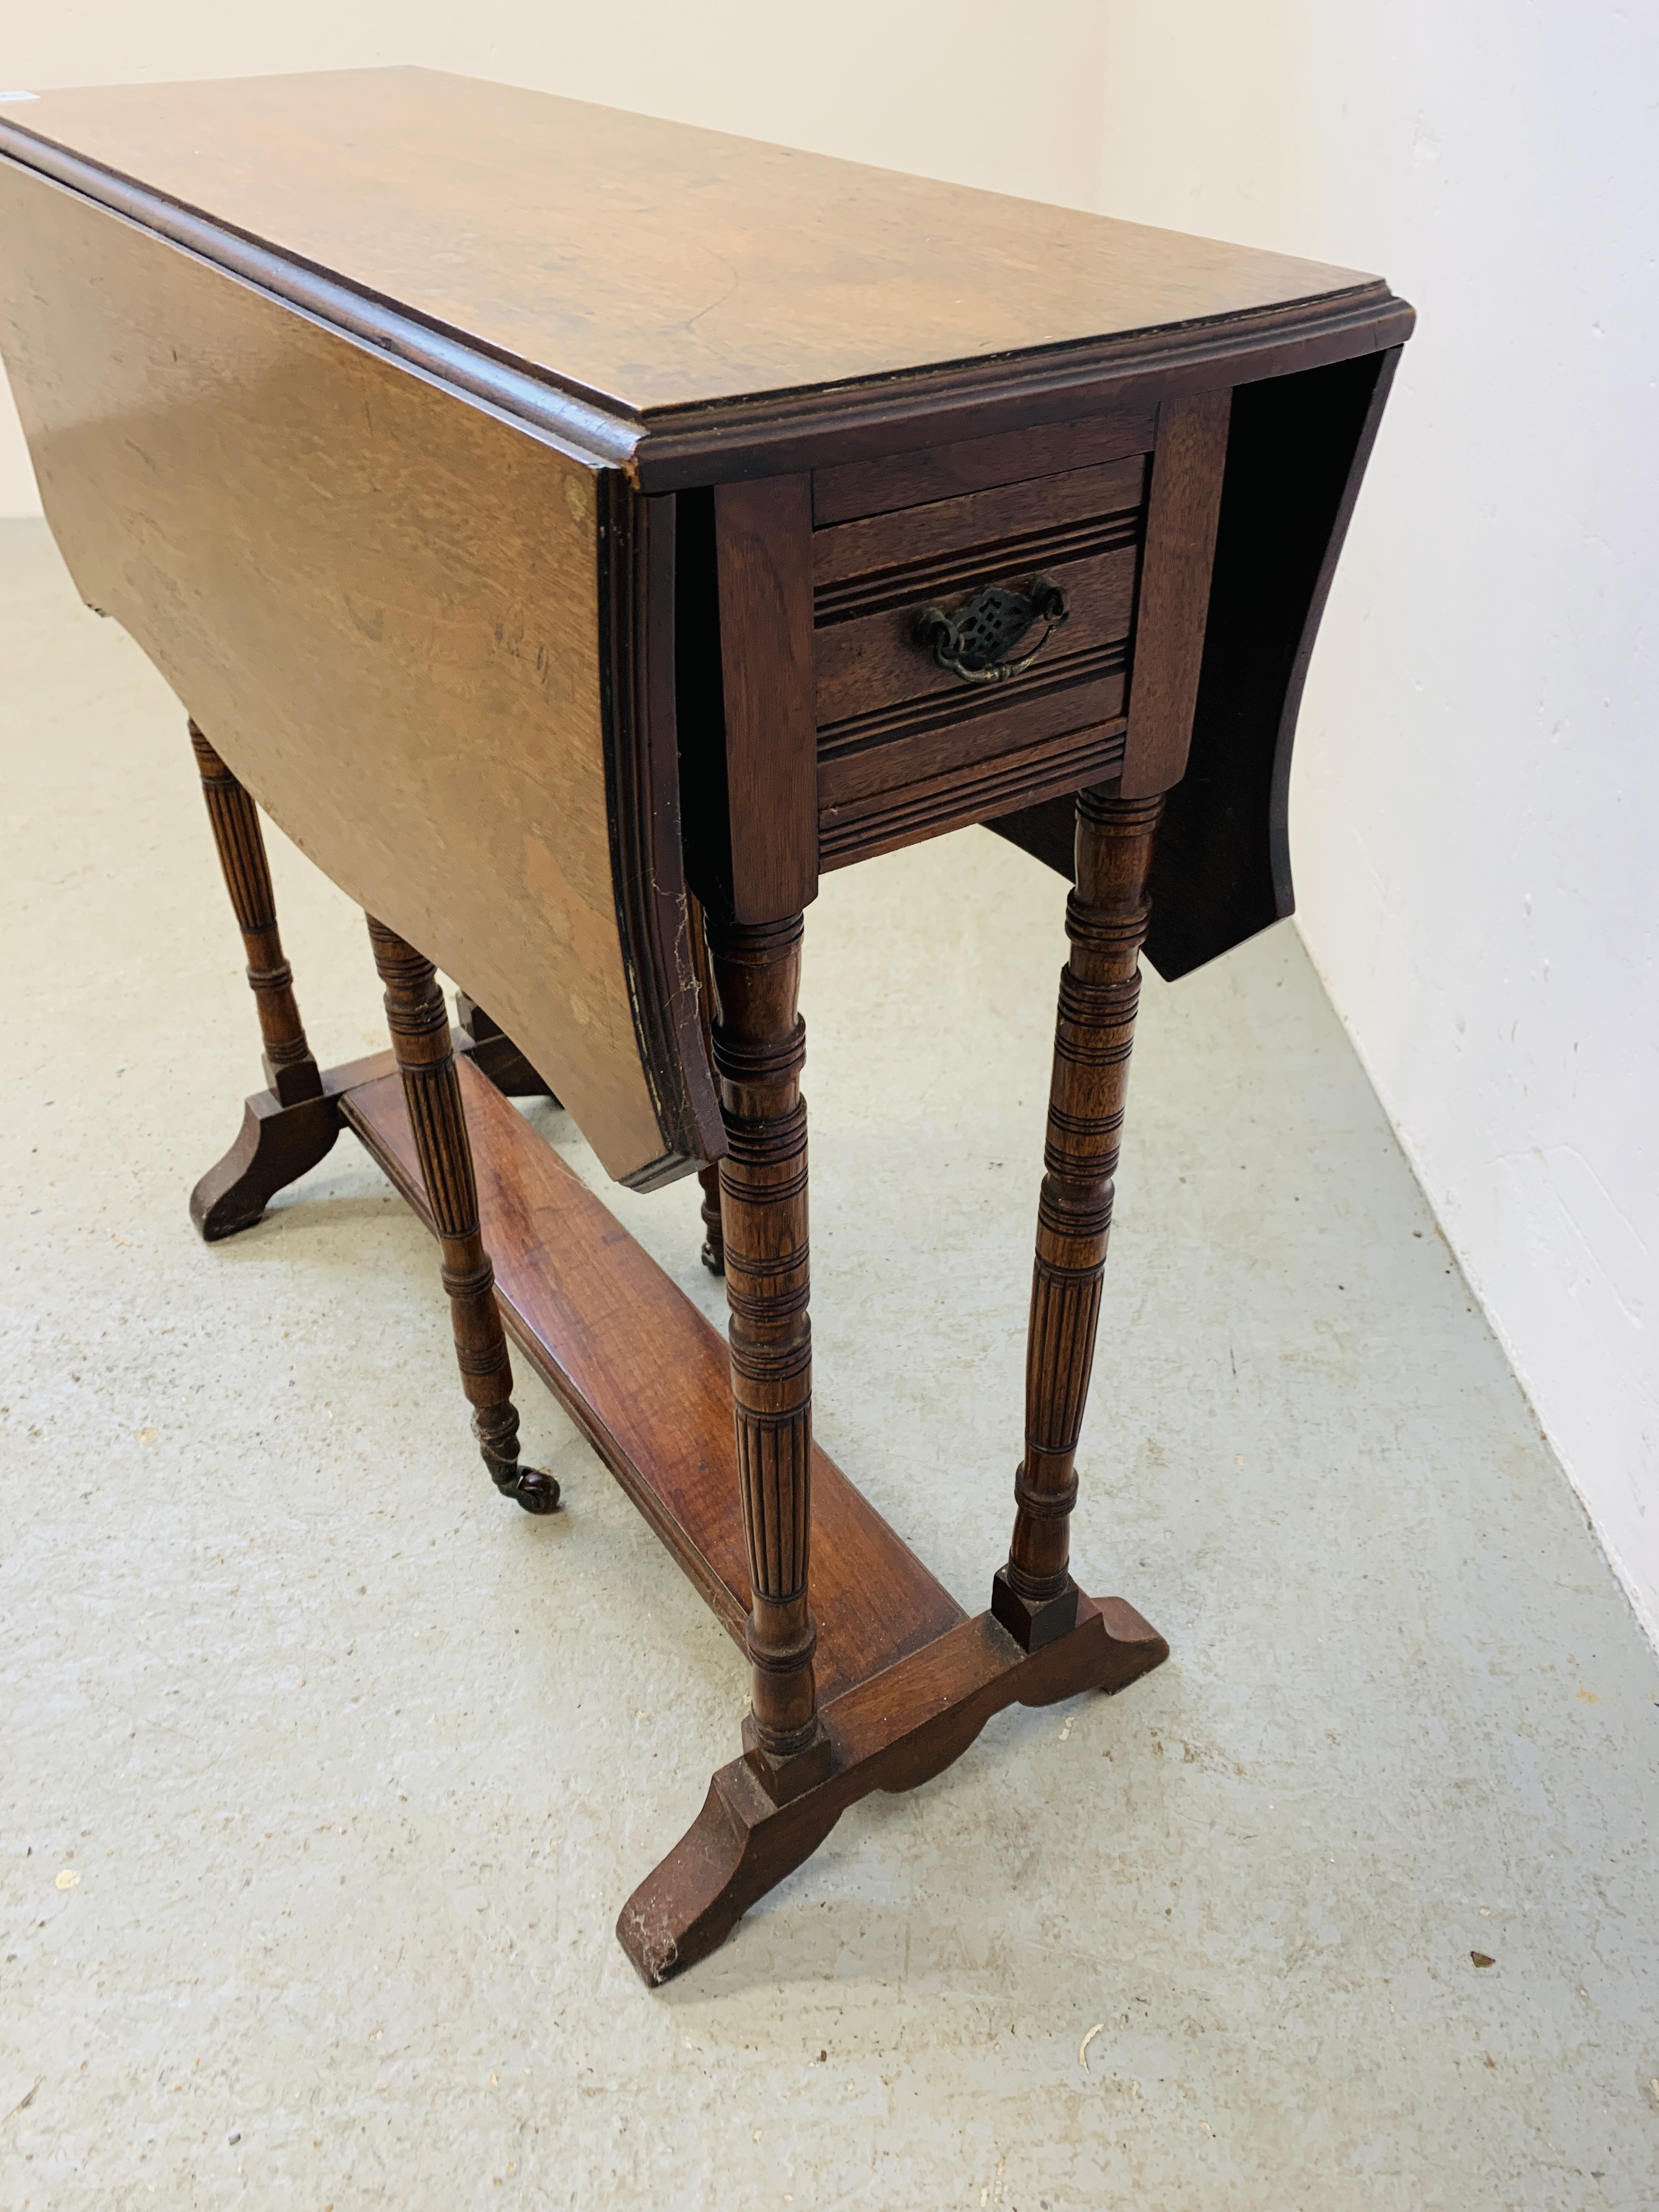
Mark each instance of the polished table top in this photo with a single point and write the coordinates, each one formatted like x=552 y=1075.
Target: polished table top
x=536 y=504
x=646 y=263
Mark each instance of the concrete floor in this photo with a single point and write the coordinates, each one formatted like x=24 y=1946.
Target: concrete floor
x=325 y=1772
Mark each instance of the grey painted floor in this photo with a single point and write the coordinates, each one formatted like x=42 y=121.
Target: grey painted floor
x=325 y=1772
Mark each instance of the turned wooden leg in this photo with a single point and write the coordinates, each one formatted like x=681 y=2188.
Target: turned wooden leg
x=426 y=1060
x=275 y=1147
x=708 y=1179
x=289 y=1067
x=1034 y=1595
x=759 y=1046
x=713 y=1236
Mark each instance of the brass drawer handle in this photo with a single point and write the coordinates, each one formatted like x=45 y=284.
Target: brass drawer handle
x=971 y=644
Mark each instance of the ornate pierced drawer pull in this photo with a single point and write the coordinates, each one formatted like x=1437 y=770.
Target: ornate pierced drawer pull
x=972 y=643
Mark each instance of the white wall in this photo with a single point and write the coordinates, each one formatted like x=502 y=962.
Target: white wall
x=1477 y=790
x=886 y=80
x=1476 y=780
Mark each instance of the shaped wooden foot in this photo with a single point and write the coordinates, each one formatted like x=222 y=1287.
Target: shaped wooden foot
x=893 y=1732
x=276 y=1145
x=906 y=1680
x=292 y=1126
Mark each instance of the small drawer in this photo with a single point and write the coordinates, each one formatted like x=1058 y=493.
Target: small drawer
x=906 y=748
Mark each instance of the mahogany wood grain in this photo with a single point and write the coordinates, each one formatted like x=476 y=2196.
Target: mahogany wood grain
x=951 y=798
x=763 y=557
x=868 y=664
x=894 y=1731
x=1174 y=592
x=290 y=1069
x=906 y=1679
x=1199 y=342
x=858 y=488
x=421 y=1044
x=278 y=1144
x=387 y=608
x=963 y=422
x=1297 y=455
x=905 y=749
x=290 y=1127
x=795 y=431
x=274 y=1147
x=1034 y=1595
x=867 y=754
x=1297 y=448
x=638 y=585
x=648 y=264
x=760 y=1047
x=649 y=1381
x=863 y=553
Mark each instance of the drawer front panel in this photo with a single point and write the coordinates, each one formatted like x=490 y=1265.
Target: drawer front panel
x=940 y=472
x=880 y=822
x=905 y=747
x=857 y=559
x=860 y=761
x=871 y=670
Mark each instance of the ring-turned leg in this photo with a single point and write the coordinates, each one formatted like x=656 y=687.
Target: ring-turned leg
x=759 y=1046
x=708 y=1178
x=426 y=1059
x=713 y=1235
x=1106 y=915
x=290 y=1070
x=897 y=1729
x=275 y=1146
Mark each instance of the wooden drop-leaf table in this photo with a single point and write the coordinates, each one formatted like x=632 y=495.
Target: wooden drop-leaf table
x=579 y=531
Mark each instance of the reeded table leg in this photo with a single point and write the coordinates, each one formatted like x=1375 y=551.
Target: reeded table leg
x=1034 y=1595
x=759 y=1045
x=275 y=1147
x=426 y=1060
